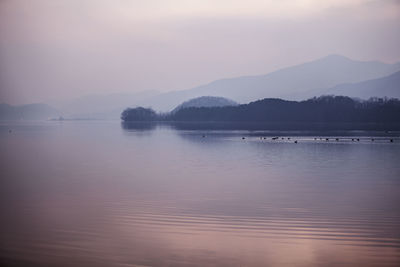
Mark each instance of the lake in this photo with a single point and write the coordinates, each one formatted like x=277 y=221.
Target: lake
x=99 y=193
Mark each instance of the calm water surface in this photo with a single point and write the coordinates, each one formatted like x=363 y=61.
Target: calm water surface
x=106 y=194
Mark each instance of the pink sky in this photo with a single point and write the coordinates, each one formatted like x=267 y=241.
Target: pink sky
x=52 y=50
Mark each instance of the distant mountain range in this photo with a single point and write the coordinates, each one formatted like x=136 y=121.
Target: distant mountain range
x=298 y=82
x=293 y=83
x=28 y=112
x=388 y=86
x=331 y=75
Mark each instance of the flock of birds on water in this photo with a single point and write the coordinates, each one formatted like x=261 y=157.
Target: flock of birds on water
x=315 y=138
x=295 y=141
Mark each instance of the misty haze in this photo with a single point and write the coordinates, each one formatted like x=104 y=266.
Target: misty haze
x=200 y=133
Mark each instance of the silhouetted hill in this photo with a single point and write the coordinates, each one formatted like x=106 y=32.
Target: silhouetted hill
x=139 y=114
x=28 y=112
x=206 y=101
x=325 y=109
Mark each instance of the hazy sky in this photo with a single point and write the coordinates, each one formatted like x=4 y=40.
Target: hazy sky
x=52 y=49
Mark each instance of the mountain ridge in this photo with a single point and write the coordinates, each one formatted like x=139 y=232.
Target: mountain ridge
x=388 y=86
x=290 y=83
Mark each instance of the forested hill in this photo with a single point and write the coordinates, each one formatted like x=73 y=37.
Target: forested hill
x=323 y=109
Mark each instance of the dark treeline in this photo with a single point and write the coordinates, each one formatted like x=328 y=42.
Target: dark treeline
x=325 y=109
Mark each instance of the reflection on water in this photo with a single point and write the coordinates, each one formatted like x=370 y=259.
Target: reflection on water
x=138 y=126
x=104 y=194
x=270 y=126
